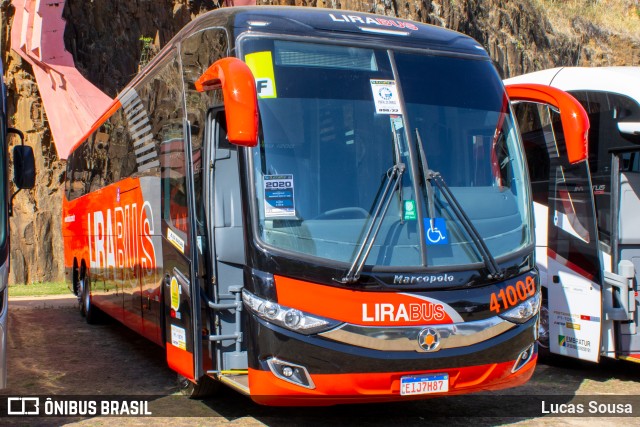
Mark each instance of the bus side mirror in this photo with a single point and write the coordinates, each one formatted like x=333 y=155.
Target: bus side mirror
x=630 y=128
x=240 y=98
x=575 y=122
x=24 y=165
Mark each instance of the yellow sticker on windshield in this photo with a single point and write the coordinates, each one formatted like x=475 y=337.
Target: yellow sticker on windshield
x=261 y=65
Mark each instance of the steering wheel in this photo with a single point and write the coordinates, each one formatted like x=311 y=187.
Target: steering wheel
x=351 y=212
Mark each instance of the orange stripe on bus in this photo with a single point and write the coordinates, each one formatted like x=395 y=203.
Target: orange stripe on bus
x=180 y=361
x=360 y=308
x=330 y=389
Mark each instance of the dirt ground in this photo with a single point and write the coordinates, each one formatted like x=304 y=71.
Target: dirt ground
x=52 y=351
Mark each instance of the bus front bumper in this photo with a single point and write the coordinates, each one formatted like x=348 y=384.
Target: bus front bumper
x=335 y=373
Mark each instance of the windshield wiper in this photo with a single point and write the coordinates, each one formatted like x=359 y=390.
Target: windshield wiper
x=435 y=177
x=431 y=205
x=393 y=182
x=489 y=260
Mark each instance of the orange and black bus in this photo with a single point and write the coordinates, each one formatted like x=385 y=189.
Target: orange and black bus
x=315 y=206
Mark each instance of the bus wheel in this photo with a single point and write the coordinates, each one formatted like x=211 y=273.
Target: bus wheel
x=543 y=330
x=80 y=296
x=206 y=386
x=90 y=312
x=544 y=353
x=75 y=279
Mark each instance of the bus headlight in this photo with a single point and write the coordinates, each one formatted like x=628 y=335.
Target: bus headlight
x=523 y=311
x=286 y=317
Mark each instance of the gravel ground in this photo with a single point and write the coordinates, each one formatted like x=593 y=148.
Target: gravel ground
x=53 y=352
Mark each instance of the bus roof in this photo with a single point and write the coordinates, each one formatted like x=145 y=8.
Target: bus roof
x=308 y=21
x=336 y=24
x=621 y=80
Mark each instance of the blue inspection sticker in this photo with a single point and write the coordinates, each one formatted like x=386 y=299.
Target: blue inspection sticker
x=436 y=231
x=279 y=199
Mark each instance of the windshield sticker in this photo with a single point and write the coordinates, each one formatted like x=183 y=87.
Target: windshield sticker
x=178 y=337
x=175 y=240
x=397 y=122
x=436 y=231
x=278 y=196
x=261 y=65
x=385 y=96
x=409 y=208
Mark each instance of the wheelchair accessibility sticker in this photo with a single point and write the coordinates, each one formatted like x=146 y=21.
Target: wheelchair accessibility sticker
x=436 y=231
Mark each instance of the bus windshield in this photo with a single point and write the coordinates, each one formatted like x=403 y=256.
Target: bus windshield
x=337 y=121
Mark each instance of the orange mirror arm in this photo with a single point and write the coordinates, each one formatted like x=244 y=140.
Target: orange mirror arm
x=240 y=98
x=575 y=122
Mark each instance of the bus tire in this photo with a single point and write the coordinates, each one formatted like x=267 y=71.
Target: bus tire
x=544 y=353
x=80 y=295
x=75 y=278
x=206 y=386
x=91 y=313
x=543 y=329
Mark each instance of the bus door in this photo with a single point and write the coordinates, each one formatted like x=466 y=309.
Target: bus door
x=227 y=89
x=566 y=234
x=621 y=292
x=225 y=233
x=181 y=337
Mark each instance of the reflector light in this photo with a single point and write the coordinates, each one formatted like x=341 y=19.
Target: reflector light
x=523 y=311
x=287 y=317
x=525 y=356
x=292 y=318
x=383 y=31
x=271 y=310
x=291 y=372
x=258 y=23
x=287 y=371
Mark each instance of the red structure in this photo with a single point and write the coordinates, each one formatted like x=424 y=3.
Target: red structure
x=72 y=104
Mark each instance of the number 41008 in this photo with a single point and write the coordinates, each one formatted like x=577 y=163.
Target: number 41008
x=512 y=294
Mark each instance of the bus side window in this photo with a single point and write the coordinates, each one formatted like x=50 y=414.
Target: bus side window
x=78 y=173
x=223 y=146
x=530 y=120
x=178 y=212
x=68 y=176
x=98 y=162
x=606 y=110
x=175 y=210
x=119 y=165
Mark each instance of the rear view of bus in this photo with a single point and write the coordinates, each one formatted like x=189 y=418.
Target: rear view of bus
x=371 y=239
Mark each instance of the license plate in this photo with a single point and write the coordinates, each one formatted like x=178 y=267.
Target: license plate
x=424 y=384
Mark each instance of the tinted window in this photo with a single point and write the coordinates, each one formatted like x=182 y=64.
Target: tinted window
x=332 y=141
x=605 y=111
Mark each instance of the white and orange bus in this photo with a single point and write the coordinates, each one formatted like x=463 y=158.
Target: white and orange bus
x=315 y=207
x=587 y=228
x=23 y=178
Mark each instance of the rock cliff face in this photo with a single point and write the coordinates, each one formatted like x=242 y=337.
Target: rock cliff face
x=36 y=241
x=104 y=36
